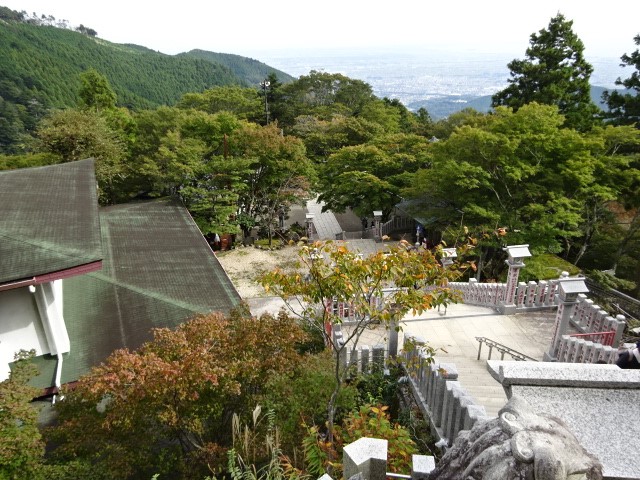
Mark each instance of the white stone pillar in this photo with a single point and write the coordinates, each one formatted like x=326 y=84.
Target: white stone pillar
x=516 y=255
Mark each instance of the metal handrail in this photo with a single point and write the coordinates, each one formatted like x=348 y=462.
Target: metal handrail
x=606 y=338
x=502 y=349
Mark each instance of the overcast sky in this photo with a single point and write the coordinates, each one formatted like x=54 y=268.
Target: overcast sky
x=259 y=29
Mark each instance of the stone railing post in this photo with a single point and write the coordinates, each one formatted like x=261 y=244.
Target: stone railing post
x=447 y=373
x=378 y=357
x=393 y=339
x=620 y=323
x=364 y=358
x=542 y=293
x=516 y=255
x=521 y=293
x=422 y=466
x=568 y=291
x=367 y=456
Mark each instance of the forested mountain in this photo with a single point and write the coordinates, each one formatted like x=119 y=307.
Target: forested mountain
x=47 y=60
x=250 y=70
x=40 y=67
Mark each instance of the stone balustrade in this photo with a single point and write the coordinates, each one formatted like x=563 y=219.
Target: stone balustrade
x=579 y=350
x=585 y=315
x=363 y=358
x=591 y=318
x=435 y=387
x=528 y=296
x=439 y=394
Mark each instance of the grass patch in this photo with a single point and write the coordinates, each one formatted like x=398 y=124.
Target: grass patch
x=546 y=266
x=264 y=242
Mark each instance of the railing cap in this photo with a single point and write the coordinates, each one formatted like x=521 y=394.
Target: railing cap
x=551 y=374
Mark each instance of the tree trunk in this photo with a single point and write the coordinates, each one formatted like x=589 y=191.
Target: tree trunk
x=331 y=406
x=480 y=264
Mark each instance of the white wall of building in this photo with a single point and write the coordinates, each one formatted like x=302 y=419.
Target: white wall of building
x=20 y=327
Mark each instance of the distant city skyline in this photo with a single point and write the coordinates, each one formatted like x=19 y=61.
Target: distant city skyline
x=263 y=29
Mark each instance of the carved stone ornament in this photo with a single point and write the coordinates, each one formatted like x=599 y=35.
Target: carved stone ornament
x=519 y=444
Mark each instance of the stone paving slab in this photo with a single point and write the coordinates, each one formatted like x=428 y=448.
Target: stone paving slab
x=349 y=221
x=604 y=421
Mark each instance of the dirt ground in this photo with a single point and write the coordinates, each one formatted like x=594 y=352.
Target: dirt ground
x=244 y=265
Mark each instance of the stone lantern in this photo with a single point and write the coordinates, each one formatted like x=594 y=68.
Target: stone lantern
x=448 y=256
x=568 y=291
x=517 y=254
x=309 y=224
x=377 y=218
x=515 y=261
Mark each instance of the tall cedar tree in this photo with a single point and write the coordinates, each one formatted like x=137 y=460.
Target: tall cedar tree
x=554 y=72
x=624 y=109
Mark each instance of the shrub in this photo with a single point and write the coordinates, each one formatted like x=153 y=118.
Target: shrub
x=300 y=398
x=546 y=266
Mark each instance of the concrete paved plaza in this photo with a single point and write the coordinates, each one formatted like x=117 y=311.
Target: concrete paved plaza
x=453 y=336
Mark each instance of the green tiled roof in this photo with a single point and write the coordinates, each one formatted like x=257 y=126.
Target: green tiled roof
x=48 y=219
x=157 y=271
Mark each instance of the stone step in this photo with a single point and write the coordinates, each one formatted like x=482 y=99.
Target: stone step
x=487 y=389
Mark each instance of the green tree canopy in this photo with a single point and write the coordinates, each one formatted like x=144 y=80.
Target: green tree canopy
x=78 y=134
x=370 y=176
x=96 y=92
x=522 y=174
x=245 y=103
x=278 y=175
x=554 y=72
x=322 y=95
x=324 y=137
x=183 y=153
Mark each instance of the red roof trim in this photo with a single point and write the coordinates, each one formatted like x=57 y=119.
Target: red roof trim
x=69 y=272
x=49 y=391
x=50 y=277
x=18 y=284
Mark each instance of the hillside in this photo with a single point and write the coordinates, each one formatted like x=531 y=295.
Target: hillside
x=252 y=71
x=44 y=62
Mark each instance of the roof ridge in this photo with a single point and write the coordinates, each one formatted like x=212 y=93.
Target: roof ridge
x=148 y=293
x=61 y=250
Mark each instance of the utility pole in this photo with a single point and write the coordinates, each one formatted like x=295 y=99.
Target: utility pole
x=265 y=86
